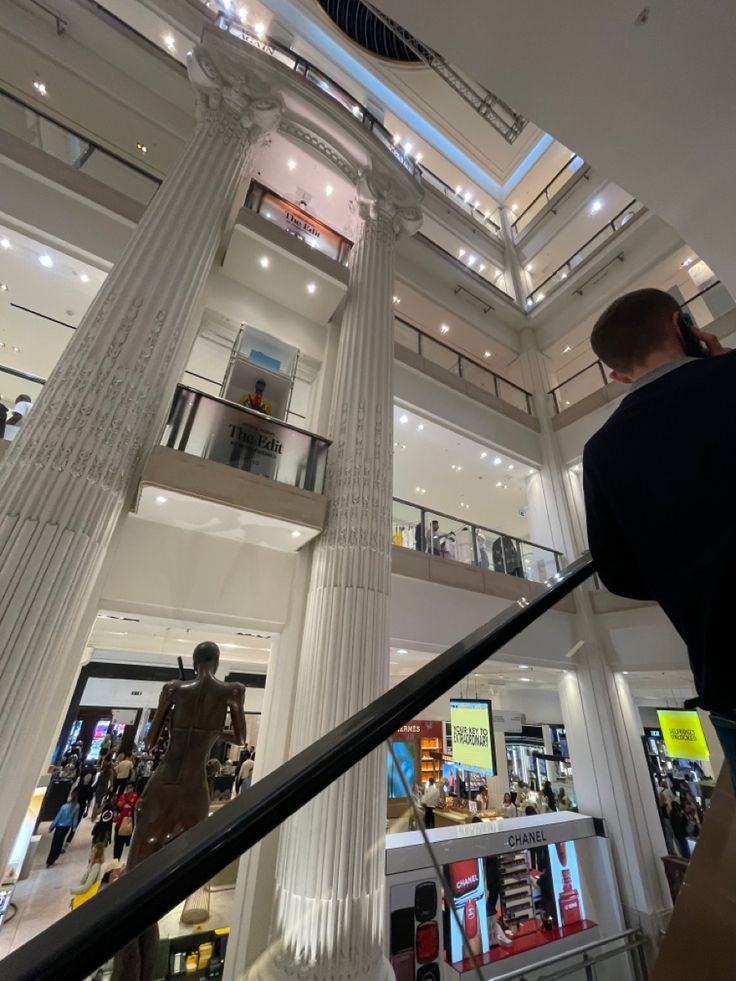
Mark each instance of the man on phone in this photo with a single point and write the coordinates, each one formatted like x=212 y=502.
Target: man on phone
x=659 y=479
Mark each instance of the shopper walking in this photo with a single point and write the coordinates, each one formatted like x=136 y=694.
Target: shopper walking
x=123 y=768
x=124 y=820
x=102 y=831
x=65 y=823
x=245 y=775
x=103 y=785
x=85 y=793
x=549 y=796
x=431 y=799
x=671 y=429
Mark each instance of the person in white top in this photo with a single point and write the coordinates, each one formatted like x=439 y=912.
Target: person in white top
x=431 y=798
x=246 y=772
x=22 y=407
x=508 y=808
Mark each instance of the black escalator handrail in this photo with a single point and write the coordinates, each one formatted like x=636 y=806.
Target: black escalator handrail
x=77 y=944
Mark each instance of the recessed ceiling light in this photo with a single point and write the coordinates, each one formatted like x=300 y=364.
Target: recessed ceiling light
x=397 y=138
x=444 y=329
x=596 y=206
x=530 y=302
x=540 y=297
x=523 y=667
x=40 y=87
x=4 y=243
x=477 y=204
x=396 y=300
x=466 y=196
x=483 y=455
x=141 y=147
x=458 y=190
x=328 y=189
x=487 y=354
x=265 y=262
x=420 y=427
x=460 y=253
x=4 y=287
x=402 y=650
x=565 y=350
x=403 y=418
x=497 y=460
x=2 y=343
x=169 y=41
x=291 y=165
x=46 y=261
x=563 y=274
x=160 y=499
x=514 y=207
x=529 y=268
x=499 y=484
x=311 y=287
x=481 y=267
x=408 y=147
x=471 y=260
x=418 y=157
x=624 y=672
x=686 y=262
x=260 y=29
x=84 y=277
x=16 y=349
x=510 y=466
x=243 y=14
x=525 y=679
x=531 y=473
x=296 y=534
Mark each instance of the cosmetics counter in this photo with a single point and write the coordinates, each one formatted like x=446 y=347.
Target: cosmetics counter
x=523 y=889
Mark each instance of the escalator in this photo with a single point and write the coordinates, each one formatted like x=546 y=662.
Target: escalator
x=74 y=947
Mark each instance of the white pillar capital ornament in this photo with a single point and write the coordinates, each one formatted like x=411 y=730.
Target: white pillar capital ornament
x=69 y=475
x=380 y=198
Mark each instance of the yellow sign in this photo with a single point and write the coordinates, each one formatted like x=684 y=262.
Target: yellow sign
x=472 y=736
x=683 y=735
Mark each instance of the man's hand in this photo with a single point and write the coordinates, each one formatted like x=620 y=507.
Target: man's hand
x=712 y=343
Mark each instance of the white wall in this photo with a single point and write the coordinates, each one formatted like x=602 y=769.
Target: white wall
x=127 y=693
x=170 y=572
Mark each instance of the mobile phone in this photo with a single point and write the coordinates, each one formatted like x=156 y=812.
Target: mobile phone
x=691 y=343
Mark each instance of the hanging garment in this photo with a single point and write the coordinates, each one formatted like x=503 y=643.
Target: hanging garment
x=506 y=557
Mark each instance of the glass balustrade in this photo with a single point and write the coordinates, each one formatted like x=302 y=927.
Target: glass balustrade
x=463 y=367
x=460 y=540
x=32 y=126
x=214 y=429
x=558 y=182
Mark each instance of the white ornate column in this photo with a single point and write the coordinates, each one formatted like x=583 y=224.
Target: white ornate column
x=70 y=474
x=328 y=910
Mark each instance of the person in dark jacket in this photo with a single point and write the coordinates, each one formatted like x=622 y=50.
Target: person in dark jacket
x=671 y=440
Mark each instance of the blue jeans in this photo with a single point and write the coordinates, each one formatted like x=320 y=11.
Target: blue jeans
x=726 y=732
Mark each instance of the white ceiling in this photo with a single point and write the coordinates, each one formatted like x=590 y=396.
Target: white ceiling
x=645 y=94
x=425 y=458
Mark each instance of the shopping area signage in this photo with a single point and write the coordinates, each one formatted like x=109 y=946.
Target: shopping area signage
x=683 y=735
x=472 y=735
x=417 y=730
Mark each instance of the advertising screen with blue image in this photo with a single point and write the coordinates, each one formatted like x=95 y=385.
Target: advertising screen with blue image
x=407 y=757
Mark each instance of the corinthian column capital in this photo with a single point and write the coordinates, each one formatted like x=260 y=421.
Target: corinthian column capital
x=224 y=89
x=380 y=198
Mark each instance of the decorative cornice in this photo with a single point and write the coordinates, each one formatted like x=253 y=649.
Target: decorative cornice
x=297 y=131
x=380 y=198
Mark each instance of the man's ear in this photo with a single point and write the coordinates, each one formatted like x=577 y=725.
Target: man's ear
x=621 y=376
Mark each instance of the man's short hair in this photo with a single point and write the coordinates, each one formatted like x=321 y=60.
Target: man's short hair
x=204 y=652
x=633 y=327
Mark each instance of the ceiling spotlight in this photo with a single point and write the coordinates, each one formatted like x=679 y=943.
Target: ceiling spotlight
x=471 y=260
x=84 y=277
x=243 y=14
x=328 y=189
x=523 y=667
x=403 y=419
x=296 y=534
x=460 y=253
x=531 y=473
x=444 y=329
x=477 y=204
x=408 y=147
x=260 y=29
x=540 y=297
x=624 y=672
x=596 y=206
x=265 y=262
x=169 y=41
x=397 y=138
x=483 y=455
x=563 y=274
x=458 y=190
x=4 y=243
x=510 y=466
x=46 y=261
x=499 y=483
x=528 y=268
x=686 y=262
x=4 y=287
x=525 y=679
x=141 y=147
x=40 y=87
x=530 y=302
x=466 y=196
x=481 y=267
x=311 y=287
x=291 y=165
x=16 y=349
x=497 y=461
x=487 y=354
x=160 y=499
x=567 y=349
x=418 y=157
x=514 y=207
x=401 y=650
x=396 y=300
x=420 y=427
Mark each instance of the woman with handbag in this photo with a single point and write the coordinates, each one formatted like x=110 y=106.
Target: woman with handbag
x=124 y=821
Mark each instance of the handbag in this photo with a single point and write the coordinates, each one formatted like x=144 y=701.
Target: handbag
x=126 y=826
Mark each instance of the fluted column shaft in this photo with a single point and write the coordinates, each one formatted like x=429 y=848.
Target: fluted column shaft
x=70 y=473
x=329 y=899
